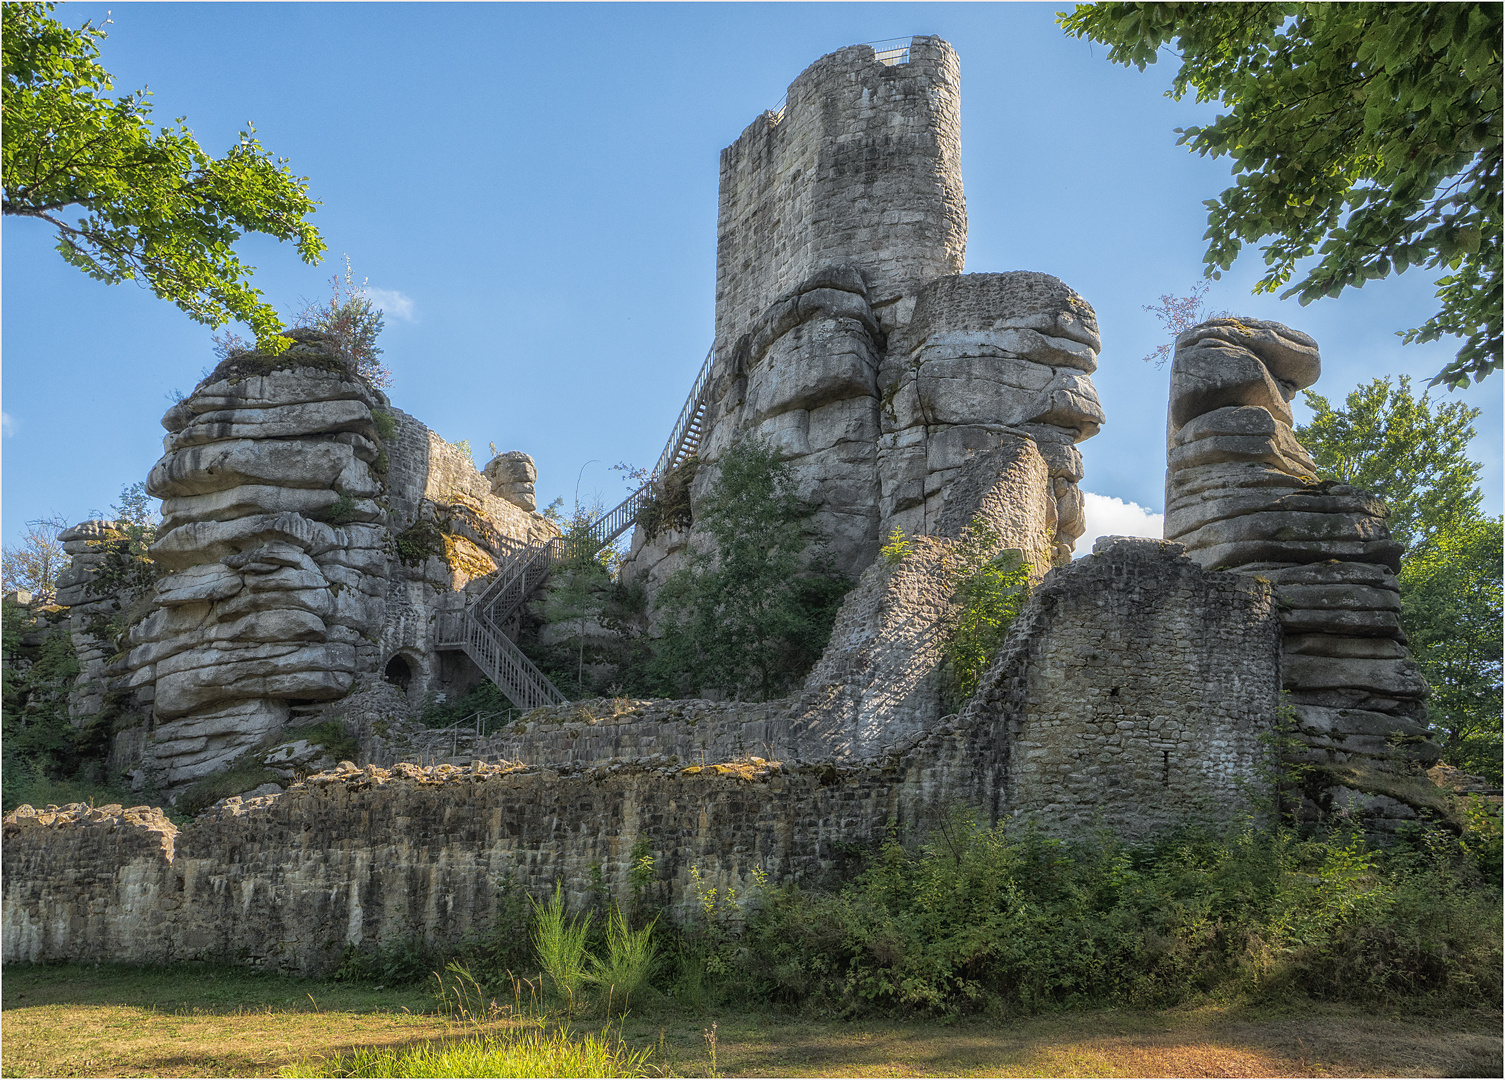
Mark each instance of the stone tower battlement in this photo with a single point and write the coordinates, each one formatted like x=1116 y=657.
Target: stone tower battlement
x=862 y=167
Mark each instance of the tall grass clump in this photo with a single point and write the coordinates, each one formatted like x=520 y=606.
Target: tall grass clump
x=1003 y=918
x=522 y=1052
x=631 y=959
x=560 y=943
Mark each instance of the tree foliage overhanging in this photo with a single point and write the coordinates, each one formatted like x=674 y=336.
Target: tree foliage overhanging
x=129 y=203
x=1365 y=135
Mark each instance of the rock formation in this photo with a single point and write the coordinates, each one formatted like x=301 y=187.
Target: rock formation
x=984 y=357
x=311 y=534
x=273 y=546
x=1242 y=494
x=848 y=339
x=512 y=476
x=98 y=606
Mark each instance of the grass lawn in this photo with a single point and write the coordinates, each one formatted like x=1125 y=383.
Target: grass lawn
x=77 y=1020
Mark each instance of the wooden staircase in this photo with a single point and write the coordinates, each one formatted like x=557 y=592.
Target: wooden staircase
x=478 y=630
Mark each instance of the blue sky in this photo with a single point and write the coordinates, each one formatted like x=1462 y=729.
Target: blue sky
x=532 y=188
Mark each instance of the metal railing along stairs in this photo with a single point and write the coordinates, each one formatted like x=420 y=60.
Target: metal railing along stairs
x=478 y=631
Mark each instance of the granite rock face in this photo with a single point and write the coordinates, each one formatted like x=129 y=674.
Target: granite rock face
x=848 y=339
x=1242 y=494
x=273 y=545
x=311 y=534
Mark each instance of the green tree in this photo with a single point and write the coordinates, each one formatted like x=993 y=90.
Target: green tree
x=1414 y=455
x=751 y=617
x=1367 y=135
x=1451 y=607
x=1411 y=453
x=130 y=203
x=35 y=563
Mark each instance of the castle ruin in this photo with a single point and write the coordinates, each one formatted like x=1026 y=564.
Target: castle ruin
x=326 y=555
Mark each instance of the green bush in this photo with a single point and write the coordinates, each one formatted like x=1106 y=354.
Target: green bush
x=243 y=774
x=399 y=963
x=486 y=698
x=630 y=963
x=1004 y=918
x=330 y=734
x=752 y=618
x=992 y=589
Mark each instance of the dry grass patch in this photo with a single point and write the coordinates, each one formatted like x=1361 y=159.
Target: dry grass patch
x=202 y=1021
x=1314 y=1040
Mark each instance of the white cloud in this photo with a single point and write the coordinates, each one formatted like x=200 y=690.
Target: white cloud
x=1107 y=516
x=7 y=425
x=392 y=303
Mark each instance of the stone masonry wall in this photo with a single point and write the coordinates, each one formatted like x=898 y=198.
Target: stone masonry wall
x=862 y=167
x=379 y=855
x=1148 y=694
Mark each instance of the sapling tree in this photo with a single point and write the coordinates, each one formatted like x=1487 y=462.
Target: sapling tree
x=1179 y=314
x=751 y=616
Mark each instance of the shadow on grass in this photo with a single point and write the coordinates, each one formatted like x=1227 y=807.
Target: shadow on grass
x=197 y=988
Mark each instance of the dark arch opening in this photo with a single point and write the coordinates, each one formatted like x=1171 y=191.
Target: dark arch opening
x=398 y=672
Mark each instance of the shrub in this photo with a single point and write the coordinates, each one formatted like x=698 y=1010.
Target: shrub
x=243 y=774
x=981 y=917
x=330 y=734
x=631 y=960
x=354 y=322
x=992 y=589
x=560 y=943
x=398 y=963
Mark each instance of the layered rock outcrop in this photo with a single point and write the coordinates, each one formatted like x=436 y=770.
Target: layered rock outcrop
x=1242 y=494
x=99 y=590
x=986 y=357
x=848 y=339
x=274 y=549
x=311 y=535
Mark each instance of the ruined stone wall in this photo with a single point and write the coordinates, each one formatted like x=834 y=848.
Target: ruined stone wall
x=434 y=485
x=863 y=167
x=1143 y=691
x=355 y=855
